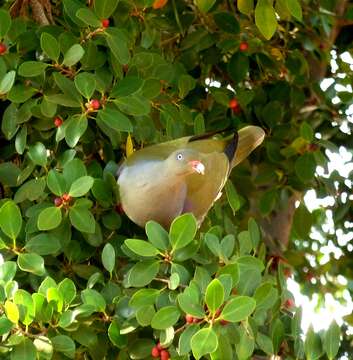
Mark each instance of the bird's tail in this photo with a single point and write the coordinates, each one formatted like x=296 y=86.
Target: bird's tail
x=249 y=138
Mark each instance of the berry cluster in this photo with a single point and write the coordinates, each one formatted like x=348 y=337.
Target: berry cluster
x=159 y=352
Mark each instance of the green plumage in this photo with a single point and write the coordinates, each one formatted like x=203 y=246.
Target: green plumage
x=162 y=181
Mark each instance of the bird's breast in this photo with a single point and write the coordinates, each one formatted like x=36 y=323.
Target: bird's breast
x=148 y=193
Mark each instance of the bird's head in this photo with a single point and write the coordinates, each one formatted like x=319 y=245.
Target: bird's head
x=185 y=162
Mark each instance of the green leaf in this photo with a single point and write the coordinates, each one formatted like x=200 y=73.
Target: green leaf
x=50 y=46
x=264 y=343
x=64 y=344
x=7 y=271
x=31 y=190
x=114 y=119
x=5 y=325
x=185 y=84
x=306 y=131
x=238 y=308
x=56 y=182
x=67 y=289
x=81 y=186
x=165 y=317
x=199 y=124
x=214 y=296
x=265 y=296
x=246 y=344
x=43 y=244
x=73 y=55
x=189 y=302
x=117 y=44
x=108 y=257
x=105 y=8
x=120 y=341
x=25 y=350
x=302 y=221
x=127 y=86
x=232 y=196
x=142 y=273
x=227 y=22
x=157 y=235
x=5 y=22
x=204 y=342
x=204 y=5
x=182 y=231
x=144 y=297
x=88 y=17
x=312 y=346
x=82 y=219
x=331 y=341
x=9 y=124
x=73 y=170
x=94 y=298
x=254 y=232
x=295 y=9
x=10 y=219
x=32 y=263
x=135 y=104
x=7 y=82
x=21 y=140
x=305 y=167
x=32 y=68
x=238 y=68
x=184 y=345
x=265 y=18
x=141 y=247
x=75 y=127
x=38 y=154
x=277 y=334
x=49 y=218
x=24 y=301
x=86 y=84
x=245 y=6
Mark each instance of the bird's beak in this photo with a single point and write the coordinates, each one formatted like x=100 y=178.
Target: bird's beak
x=250 y=137
x=197 y=166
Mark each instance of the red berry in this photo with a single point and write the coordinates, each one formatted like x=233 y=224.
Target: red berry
x=119 y=208
x=95 y=104
x=58 y=201
x=165 y=355
x=3 y=48
x=189 y=318
x=289 y=303
x=233 y=104
x=243 y=46
x=155 y=352
x=159 y=346
x=58 y=122
x=66 y=197
x=196 y=320
x=105 y=23
x=224 y=322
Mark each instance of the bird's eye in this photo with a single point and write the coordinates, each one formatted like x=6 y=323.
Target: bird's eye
x=180 y=156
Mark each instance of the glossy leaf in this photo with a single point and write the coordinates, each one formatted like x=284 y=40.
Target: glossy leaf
x=10 y=219
x=238 y=308
x=204 y=342
x=182 y=231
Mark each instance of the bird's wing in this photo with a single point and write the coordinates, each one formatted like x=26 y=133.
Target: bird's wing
x=203 y=190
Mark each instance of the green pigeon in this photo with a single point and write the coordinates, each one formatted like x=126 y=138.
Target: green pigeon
x=163 y=181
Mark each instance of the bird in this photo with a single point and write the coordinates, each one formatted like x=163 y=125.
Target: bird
x=185 y=175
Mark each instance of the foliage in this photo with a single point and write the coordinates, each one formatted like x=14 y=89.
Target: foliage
x=77 y=277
